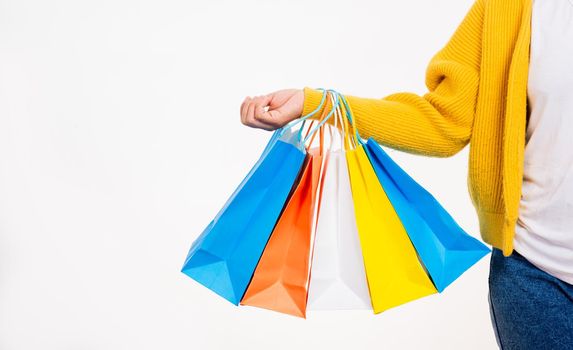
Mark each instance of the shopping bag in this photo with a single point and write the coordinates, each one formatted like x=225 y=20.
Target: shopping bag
x=280 y=280
x=445 y=249
x=338 y=279
x=394 y=273
x=225 y=254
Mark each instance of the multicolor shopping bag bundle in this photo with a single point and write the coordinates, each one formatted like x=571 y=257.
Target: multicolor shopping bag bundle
x=327 y=221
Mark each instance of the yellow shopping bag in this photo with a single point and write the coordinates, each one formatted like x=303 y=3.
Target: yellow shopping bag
x=394 y=272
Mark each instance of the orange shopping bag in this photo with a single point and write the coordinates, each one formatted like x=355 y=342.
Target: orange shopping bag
x=281 y=279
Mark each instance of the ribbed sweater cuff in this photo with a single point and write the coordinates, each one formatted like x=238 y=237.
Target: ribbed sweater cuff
x=497 y=230
x=312 y=98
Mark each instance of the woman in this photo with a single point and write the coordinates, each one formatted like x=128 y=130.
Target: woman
x=503 y=83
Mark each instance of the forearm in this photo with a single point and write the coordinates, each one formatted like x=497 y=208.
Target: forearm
x=406 y=121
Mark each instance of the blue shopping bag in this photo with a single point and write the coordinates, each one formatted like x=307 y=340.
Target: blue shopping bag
x=226 y=253
x=224 y=256
x=444 y=248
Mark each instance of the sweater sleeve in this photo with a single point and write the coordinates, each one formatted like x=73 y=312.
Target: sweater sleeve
x=439 y=122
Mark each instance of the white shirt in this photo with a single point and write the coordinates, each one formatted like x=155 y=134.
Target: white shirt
x=544 y=230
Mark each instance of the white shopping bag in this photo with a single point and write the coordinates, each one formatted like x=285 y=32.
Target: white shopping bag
x=338 y=278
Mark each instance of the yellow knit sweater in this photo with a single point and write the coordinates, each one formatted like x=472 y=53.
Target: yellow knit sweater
x=476 y=94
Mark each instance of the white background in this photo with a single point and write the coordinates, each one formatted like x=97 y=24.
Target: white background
x=120 y=139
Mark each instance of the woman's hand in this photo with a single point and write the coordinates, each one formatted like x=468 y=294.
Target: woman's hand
x=274 y=110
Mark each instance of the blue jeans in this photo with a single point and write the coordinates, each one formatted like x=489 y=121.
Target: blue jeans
x=529 y=308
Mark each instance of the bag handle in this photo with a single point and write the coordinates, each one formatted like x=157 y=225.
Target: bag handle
x=336 y=112
x=311 y=132
x=351 y=136
x=338 y=119
x=334 y=127
x=325 y=119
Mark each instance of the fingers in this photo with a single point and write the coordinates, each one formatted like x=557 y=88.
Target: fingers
x=254 y=113
x=264 y=115
x=244 y=106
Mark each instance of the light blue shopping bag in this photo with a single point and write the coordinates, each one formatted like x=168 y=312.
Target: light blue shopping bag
x=444 y=248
